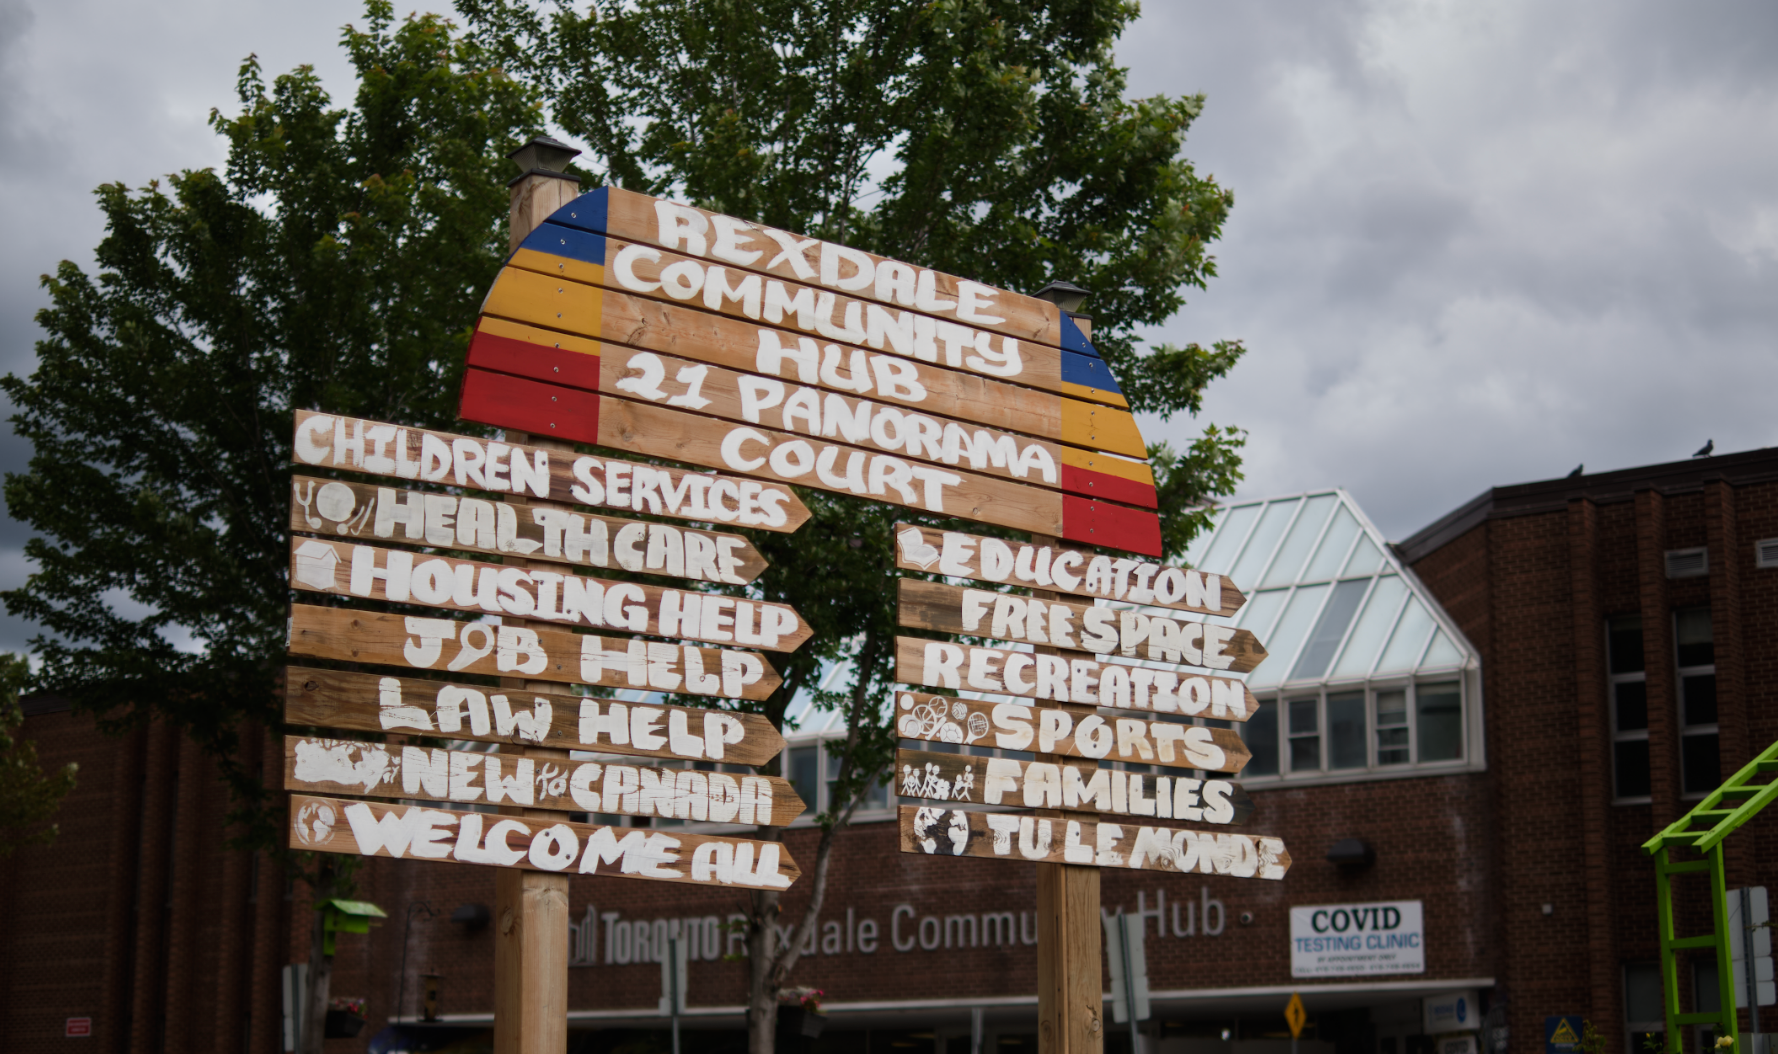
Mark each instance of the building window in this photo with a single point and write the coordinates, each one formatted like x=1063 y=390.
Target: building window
x=1629 y=708
x=1418 y=724
x=1261 y=734
x=1392 y=727
x=1700 y=761
x=1305 y=734
x=1438 y=711
x=1644 y=1005
x=1346 y=739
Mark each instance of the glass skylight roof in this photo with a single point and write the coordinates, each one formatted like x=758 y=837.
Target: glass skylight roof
x=1325 y=595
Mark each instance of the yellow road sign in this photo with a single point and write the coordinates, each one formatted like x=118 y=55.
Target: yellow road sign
x=1295 y=1016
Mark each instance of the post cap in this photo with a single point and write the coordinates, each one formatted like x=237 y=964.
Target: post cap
x=1065 y=295
x=543 y=154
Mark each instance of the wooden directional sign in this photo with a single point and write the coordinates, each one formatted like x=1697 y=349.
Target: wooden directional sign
x=375 y=573
x=546 y=358
x=367 y=702
x=927 y=435
x=1066 y=624
x=363 y=511
x=1021 y=836
x=543 y=654
x=1009 y=562
x=940 y=664
x=1080 y=786
x=345 y=766
x=332 y=825
x=1074 y=731
x=465 y=461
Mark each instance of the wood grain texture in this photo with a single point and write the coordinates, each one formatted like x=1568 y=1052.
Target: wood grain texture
x=413 y=643
x=364 y=511
x=369 y=828
x=1068 y=624
x=1067 y=731
x=314 y=765
x=636 y=217
x=512 y=401
x=581 y=267
x=935 y=831
x=368 y=702
x=421 y=455
x=872 y=423
x=1070 y=999
x=1074 y=786
x=1005 y=561
x=1084 y=682
x=370 y=572
x=522 y=327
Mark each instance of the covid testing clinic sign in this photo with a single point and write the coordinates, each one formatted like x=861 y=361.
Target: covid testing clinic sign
x=1340 y=940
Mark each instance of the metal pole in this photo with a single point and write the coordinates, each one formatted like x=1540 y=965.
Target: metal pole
x=975 y=1030
x=1747 y=961
x=1123 y=922
x=673 y=982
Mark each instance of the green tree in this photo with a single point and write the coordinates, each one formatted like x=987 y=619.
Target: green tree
x=993 y=139
x=337 y=263
x=28 y=795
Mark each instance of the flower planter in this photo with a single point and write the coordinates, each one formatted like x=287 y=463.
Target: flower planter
x=796 y=1021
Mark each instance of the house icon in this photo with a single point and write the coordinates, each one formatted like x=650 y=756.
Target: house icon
x=315 y=563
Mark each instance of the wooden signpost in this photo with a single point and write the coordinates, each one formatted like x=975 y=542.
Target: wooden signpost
x=1067 y=731
x=364 y=828
x=648 y=327
x=1067 y=624
x=1081 y=572
x=364 y=512
x=1075 y=785
x=364 y=702
x=420 y=455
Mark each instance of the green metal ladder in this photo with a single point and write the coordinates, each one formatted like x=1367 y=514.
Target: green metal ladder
x=1702 y=830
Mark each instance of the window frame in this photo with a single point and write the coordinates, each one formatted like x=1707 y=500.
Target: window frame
x=1372 y=769
x=1612 y=680
x=1712 y=728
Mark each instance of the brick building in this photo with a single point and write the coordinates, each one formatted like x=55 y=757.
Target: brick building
x=1498 y=843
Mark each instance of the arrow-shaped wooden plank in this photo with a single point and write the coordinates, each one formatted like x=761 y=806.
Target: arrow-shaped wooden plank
x=400 y=576
x=1074 y=731
x=1142 y=847
x=422 y=455
x=1066 y=624
x=368 y=702
x=314 y=765
x=363 y=511
x=1005 y=561
x=1078 y=786
x=419 y=832
x=541 y=653
x=1086 y=682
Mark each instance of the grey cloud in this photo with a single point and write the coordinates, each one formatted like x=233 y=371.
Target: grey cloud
x=1476 y=244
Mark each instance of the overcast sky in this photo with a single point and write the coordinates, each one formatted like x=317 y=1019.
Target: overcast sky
x=1473 y=244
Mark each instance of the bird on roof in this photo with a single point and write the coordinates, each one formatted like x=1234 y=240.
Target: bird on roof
x=1578 y=469
x=1704 y=451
